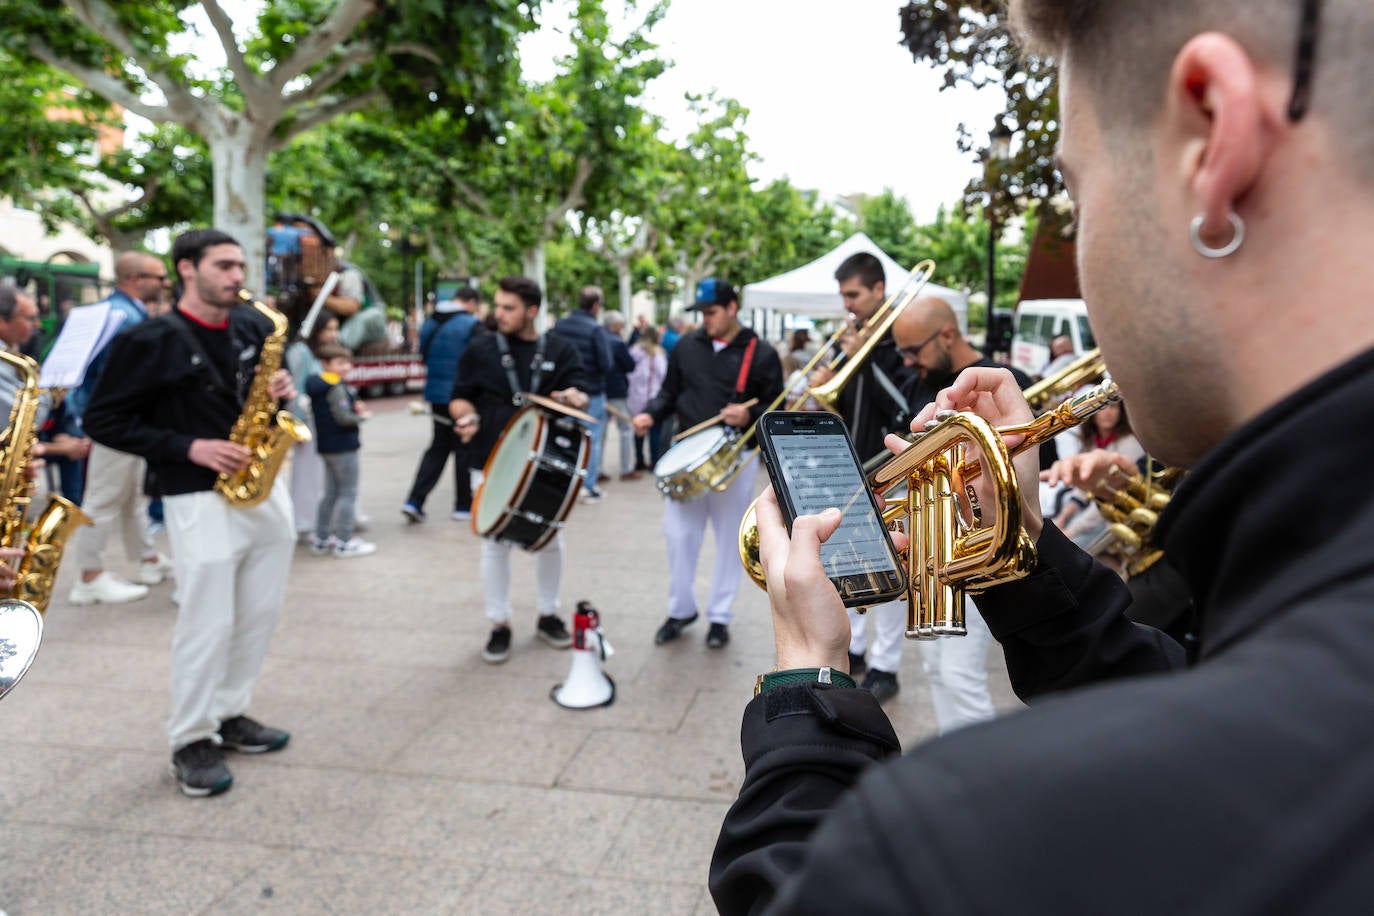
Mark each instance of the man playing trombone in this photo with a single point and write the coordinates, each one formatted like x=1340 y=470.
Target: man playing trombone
x=1223 y=137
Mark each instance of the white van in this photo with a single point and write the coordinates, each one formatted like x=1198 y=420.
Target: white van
x=1038 y=321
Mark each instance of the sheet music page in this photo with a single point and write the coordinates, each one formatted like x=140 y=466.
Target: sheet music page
x=86 y=330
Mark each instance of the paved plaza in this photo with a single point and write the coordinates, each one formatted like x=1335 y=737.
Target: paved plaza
x=418 y=779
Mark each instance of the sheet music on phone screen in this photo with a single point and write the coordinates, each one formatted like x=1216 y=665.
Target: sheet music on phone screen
x=819 y=469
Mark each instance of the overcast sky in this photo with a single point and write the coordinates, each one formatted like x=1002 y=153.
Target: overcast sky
x=835 y=102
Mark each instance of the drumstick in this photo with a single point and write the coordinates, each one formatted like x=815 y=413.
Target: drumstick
x=617 y=412
x=711 y=422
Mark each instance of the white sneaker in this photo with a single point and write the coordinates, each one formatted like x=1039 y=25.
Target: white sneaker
x=319 y=548
x=461 y=515
x=106 y=589
x=354 y=547
x=155 y=572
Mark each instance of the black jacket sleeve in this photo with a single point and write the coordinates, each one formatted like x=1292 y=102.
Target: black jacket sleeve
x=125 y=396
x=804 y=746
x=1064 y=625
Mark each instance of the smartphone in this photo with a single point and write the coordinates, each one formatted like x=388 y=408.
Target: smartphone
x=814 y=467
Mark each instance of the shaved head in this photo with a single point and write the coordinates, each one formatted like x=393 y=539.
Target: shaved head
x=924 y=317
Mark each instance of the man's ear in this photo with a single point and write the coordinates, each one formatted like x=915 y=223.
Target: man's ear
x=1226 y=130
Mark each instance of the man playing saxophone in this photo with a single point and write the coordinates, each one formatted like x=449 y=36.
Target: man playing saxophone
x=172 y=390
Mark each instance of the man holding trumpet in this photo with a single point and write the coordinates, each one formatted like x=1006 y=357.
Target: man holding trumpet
x=1203 y=133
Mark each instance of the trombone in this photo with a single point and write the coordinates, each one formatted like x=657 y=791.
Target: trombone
x=950 y=552
x=827 y=395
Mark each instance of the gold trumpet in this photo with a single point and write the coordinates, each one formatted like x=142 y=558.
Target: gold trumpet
x=827 y=395
x=949 y=551
x=1088 y=369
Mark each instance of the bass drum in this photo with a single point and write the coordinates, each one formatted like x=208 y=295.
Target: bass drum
x=531 y=479
x=699 y=462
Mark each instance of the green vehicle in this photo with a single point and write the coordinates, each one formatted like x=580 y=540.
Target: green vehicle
x=57 y=288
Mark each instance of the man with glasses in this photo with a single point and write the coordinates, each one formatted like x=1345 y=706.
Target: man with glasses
x=114 y=480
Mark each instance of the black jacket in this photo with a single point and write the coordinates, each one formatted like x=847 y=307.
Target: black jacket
x=156 y=394
x=593 y=347
x=872 y=406
x=700 y=381
x=622 y=364
x=483 y=382
x=1242 y=784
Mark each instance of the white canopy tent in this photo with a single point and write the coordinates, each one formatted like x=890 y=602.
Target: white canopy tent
x=811 y=289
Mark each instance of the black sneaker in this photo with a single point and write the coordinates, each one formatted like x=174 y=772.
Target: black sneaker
x=250 y=736
x=498 y=646
x=199 y=769
x=552 y=630
x=857 y=665
x=882 y=684
x=413 y=513
x=672 y=628
x=717 y=636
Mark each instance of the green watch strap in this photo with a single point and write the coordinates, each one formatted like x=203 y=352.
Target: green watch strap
x=802 y=675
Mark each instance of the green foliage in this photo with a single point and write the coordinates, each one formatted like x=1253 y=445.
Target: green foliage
x=968 y=40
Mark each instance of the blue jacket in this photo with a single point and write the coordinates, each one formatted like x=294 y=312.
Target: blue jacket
x=443 y=338
x=134 y=313
x=582 y=331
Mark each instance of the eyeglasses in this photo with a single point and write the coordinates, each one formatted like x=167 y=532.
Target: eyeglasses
x=913 y=353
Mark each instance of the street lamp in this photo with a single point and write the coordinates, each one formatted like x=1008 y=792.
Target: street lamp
x=999 y=151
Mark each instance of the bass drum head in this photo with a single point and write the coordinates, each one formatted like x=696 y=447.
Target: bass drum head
x=505 y=470
x=690 y=452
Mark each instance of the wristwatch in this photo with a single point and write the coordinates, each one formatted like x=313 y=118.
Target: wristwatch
x=802 y=675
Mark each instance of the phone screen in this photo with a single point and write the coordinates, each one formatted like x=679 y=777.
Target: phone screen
x=814 y=467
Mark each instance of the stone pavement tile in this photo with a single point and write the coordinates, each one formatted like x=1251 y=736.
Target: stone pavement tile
x=394 y=647
x=147 y=623
x=461 y=745
x=705 y=906
x=295 y=680
x=75 y=661
x=86 y=716
x=37 y=770
x=496 y=694
x=304 y=882
x=338 y=732
x=666 y=840
x=498 y=825
x=683 y=766
x=520 y=893
x=59 y=870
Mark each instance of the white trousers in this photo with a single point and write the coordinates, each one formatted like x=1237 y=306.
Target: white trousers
x=307 y=482
x=684 y=528
x=888 y=623
x=548 y=572
x=957 y=668
x=231 y=567
x=114 y=496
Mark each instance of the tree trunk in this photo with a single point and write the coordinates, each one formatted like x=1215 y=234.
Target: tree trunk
x=532 y=262
x=622 y=269
x=239 y=159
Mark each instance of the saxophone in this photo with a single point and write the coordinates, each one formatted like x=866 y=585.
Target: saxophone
x=255 y=428
x=47 y=537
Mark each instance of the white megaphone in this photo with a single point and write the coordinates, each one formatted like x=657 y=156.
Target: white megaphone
x=587 y=685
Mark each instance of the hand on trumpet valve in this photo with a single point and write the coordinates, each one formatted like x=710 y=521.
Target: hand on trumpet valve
x=993 y=395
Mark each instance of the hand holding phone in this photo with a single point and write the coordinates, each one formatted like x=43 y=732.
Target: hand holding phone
x=814 y=467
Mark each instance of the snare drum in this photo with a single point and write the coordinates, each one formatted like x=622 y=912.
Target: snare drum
x=699 y=462
x=531 y=478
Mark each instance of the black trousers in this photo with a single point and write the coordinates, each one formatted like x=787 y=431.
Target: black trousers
x=445 y=443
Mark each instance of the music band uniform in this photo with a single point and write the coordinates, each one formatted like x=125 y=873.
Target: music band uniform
x=542 y=367
x=703 y=376
x=156 y=395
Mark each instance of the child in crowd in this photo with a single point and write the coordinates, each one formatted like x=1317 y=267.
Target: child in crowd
x=338 y=414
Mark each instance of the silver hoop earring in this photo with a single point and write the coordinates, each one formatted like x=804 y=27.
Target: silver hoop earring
x=1202 y=248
